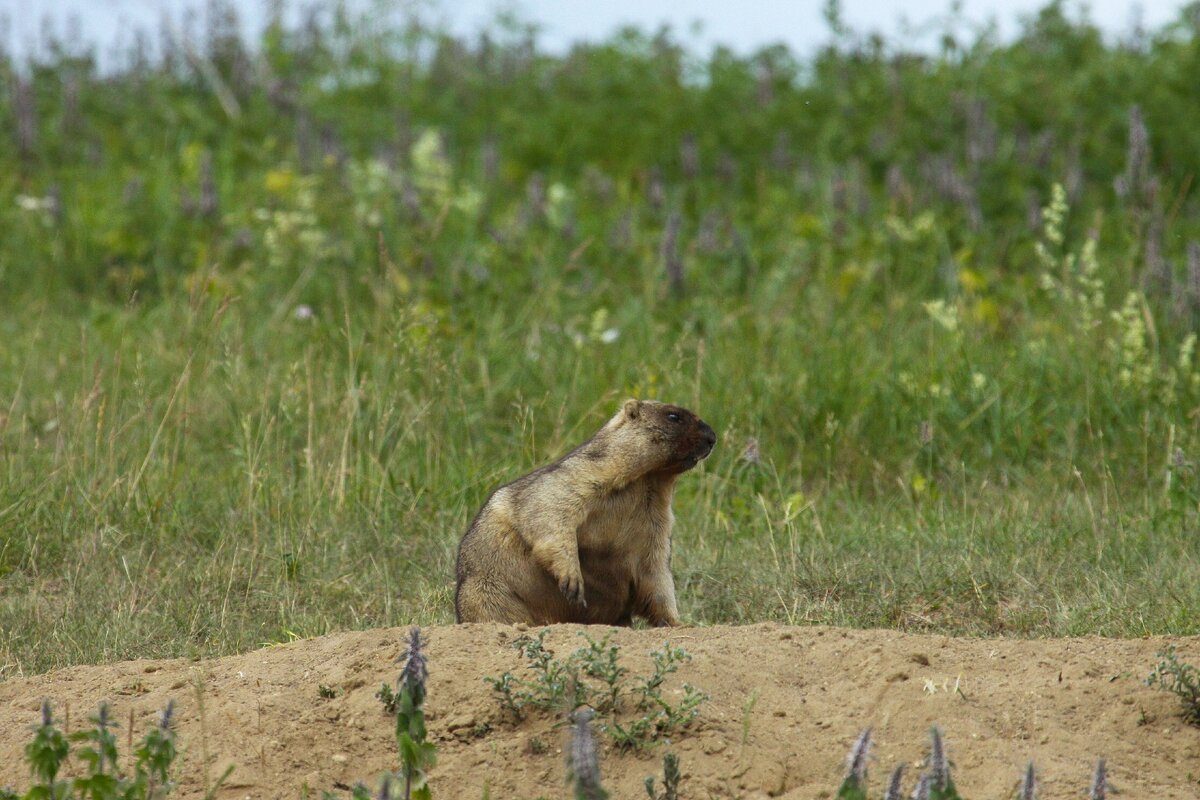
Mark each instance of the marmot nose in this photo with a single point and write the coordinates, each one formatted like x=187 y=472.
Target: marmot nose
x=708 y=435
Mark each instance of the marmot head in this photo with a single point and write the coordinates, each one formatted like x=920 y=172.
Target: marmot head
x=676 y=439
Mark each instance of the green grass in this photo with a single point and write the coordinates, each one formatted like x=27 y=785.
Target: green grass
x=958 y=430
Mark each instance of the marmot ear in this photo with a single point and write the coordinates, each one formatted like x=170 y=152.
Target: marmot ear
x=632 y=408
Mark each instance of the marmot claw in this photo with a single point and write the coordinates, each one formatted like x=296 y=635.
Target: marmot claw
x=572 y=589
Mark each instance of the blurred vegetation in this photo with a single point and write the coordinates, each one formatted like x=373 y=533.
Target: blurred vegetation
x=279 y=315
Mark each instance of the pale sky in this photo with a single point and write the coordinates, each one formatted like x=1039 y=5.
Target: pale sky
x=744 y=25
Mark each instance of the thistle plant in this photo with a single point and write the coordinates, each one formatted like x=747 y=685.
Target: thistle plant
x=416 y=755
x=895 y=784
x=1028 y=790
x=854 y=785
x=102 y=778
x=153 y=759
x=941 y=786
x=1099 y=789
x=47 y=752
x=583 y=764
x=935 y=783
x=100 y=755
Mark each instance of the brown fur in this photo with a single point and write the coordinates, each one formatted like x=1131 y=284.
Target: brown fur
x=587 y=538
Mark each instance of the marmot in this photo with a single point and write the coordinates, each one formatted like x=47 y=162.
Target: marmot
x=587 y=538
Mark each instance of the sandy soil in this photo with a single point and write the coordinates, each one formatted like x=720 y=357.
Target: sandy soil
x=1062 y=703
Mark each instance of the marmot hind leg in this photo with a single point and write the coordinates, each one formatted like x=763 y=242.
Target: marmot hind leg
x=478 y=601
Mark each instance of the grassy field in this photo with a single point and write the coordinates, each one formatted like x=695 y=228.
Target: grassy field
x=277 y=319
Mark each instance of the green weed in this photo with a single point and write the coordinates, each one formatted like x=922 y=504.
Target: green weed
x=96 y=749
x=1181 y=679
x=670 y=780
x=630 y=709
x=407 y=703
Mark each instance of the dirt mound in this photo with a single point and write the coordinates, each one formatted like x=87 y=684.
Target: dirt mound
x=784 y=706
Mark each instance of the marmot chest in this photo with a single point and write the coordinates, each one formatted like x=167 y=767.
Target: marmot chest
x=626 y=526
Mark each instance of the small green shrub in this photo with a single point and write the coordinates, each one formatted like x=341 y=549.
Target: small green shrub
x=388 y=698
x=630 y=709
x=1180 y=678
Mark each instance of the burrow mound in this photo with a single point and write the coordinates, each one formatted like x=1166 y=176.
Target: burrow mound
x=784 y=706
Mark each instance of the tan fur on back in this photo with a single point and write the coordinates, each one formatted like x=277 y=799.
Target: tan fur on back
x=588 y=538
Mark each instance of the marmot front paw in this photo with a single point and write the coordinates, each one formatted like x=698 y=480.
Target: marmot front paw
x=572 y=588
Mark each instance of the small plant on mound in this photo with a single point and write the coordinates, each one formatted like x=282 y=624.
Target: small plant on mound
x=1180 y=678
x=102 y=778
x=583 y=764
x=671 y=777
x=630 y=709
x=407 y=703
x=416 y=754
x=935 y=783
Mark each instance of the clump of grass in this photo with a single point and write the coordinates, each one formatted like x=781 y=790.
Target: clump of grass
x=102 y=778
x=1181 y=679
x=631 y=709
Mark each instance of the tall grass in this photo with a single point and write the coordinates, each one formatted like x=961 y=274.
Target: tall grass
x=279 y=317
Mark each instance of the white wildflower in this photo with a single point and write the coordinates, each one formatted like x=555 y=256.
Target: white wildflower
x=943 y=314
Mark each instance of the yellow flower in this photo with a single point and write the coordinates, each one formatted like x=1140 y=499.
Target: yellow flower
x=279 y=182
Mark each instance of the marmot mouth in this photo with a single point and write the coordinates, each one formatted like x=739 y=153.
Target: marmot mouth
x=692 y=459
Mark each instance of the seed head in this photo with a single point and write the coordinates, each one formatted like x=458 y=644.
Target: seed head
x=925 y=432
x=164 y=718
x=1029 y=784
x=25 y=111
x=415 y=669
x=750 y=454
x=1099 y=782
x=656 y=192
x=584 y=764
x=856 y=763
x=939 y=773
x=689 y=157
x=670 y=252
x=1188 y=300
x=893 y=789
x=1135 y=181
x=921 y=791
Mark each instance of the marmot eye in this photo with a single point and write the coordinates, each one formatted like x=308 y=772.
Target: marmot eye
x=674 y=417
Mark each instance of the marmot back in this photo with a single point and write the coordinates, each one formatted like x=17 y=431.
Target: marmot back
x=587 y=538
